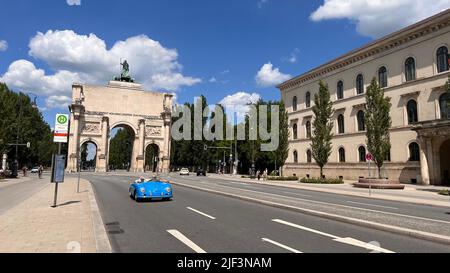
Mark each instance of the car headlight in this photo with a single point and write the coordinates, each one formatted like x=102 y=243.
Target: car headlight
x=168 y=189
x=143 y=190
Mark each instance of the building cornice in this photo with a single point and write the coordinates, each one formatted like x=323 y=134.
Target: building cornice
x=390 y=42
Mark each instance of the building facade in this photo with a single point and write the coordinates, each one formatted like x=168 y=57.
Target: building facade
x=97 y=110
x=412 y=66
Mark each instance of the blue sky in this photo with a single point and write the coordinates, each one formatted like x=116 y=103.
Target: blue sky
x=236 y=48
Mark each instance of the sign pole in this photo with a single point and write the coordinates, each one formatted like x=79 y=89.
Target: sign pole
x=56 y=184
x=61 y=134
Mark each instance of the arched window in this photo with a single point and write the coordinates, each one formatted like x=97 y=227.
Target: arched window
x=444 y=102
x=295 y=157
x=308 y=100
x=309 y=156
x=361 y=121
x=294 y=103
x=295 y=131
x=410 y=69
x=360 y=84
x=340 y=90
x=414 y=152
x=383 y=77
x=341 y=124
x=362 y=154
x=342 y=155
x=412 y=112
x=442 y=59
x=308 y=129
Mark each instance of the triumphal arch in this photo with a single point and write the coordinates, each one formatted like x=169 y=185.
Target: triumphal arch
x=96 y=110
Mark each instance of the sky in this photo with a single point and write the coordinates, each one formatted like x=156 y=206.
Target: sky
x=233 y=52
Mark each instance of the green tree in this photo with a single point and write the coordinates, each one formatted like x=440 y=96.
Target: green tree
x=281 y=154
x=120 y=149
x=323 y=127
x=378 y=121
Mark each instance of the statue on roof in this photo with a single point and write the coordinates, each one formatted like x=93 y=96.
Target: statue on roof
x=125 y=73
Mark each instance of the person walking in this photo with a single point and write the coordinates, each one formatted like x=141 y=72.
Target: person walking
x=259 y=175
x=40 y=171
x=266 y=173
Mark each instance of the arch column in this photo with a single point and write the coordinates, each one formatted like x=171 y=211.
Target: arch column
x=102 y=162
x=424 y=167
x=165 y=156
x=140 y=159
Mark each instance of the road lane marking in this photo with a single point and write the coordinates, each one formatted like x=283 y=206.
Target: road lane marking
x=186 y=241
x=364 y=204
x=281 y=245
x=348 y=240
x=201 y=213
x=298 y=194
x=343 y=206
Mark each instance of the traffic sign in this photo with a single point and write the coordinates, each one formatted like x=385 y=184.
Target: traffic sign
x=61 y=128
x=369 y=157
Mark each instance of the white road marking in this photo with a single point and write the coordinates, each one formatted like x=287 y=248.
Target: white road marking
x=281 y=245
x=298 y=194
x=364 y=204
x=344 y=206
x=186 y=241
x=348 y=241
x=201 y=213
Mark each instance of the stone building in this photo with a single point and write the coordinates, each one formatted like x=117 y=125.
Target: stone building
x=96 y=110
x=412 y=65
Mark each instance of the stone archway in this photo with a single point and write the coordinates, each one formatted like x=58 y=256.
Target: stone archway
x=121 y=151
x=89 y=156
x=152 y=160
x=445 y=162
x=96 y=110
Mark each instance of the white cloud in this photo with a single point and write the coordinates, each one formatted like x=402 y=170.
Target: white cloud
x=85 y=58
x=293 y=58
x=376 y=18
x=73 y=2
x=61 y=102
x=268 y=76
x=261 y=3
x=238 y=103
x=3 y=45
x=213 y=80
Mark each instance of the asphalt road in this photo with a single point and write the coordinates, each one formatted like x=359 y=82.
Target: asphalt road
x=196 y=221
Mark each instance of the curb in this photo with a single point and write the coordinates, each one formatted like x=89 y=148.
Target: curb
x=102 y=243
x=382 y=227
x=343 y=193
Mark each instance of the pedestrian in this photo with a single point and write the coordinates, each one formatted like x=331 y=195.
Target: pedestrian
x=41 y=169
x=266 y=172
x=259 y=175
x=24 y=171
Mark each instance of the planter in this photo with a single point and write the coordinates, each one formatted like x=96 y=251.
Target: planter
x=383 y=184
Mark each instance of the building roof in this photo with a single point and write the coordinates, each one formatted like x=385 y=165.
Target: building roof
x=385 y=43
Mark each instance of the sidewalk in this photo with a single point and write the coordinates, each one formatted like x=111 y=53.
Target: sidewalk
x=73 y=227
x=422 y=195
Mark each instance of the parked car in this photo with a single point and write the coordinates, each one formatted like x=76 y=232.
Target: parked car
x=150 y=189
x=35 y=170
x=201 y=172
x=184 y=171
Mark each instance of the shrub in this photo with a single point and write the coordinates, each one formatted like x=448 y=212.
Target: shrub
x=280 y=178
x=444 y=192
x=321 y=181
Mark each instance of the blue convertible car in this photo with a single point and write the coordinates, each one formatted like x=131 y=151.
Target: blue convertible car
x=151 y=189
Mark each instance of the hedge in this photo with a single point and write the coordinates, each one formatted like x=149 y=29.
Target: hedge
x=280 y=178
x=321 y=181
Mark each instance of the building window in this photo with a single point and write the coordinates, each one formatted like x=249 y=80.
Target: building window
x=341 y=124
x=308 y=100
x=412 y=112
x=294 y=103
x=383 y=77
x=295 y=157
x=308 y=129
x=342 y=155
x=309 y=156
x=362 y=154
x=361 y=121
x=414 y=152
x=444 y=102
x=340 y=90
x=387 y=157
x=295 y=131
x=442 y=59
x=410 y=69
x=360 y=84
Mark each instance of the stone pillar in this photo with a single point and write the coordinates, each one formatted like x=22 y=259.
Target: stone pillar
x=424 y=163
x=140 y=161
x=102 y=163
x=430 y=157
x=167 y=137
x=5 y=156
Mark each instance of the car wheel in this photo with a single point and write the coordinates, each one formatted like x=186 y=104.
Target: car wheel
x=136 y=198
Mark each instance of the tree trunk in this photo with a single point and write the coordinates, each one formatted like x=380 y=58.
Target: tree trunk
x=321 y=172
x=379 y=172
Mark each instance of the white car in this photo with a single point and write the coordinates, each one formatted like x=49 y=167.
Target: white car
x=35 y=170
x=184 y=171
